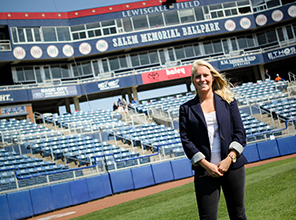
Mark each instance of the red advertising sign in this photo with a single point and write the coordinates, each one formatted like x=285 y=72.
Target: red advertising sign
x=166 y=74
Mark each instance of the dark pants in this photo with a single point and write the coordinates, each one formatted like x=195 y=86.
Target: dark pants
x=207 y=190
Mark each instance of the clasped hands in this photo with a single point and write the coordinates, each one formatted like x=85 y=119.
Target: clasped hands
x=217 y=170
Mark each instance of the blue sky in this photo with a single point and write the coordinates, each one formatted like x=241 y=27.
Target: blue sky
x=73 y=5
x=55 y=5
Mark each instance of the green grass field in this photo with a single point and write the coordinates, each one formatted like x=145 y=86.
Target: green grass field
x=270 y=194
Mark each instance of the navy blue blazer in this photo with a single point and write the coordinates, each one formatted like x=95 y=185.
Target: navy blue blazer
x=194 y=132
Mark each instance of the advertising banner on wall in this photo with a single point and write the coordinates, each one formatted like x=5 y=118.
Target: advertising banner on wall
x=111 y=84
x=122 y=82
x=241 y=61
x=166 y=74
x=280 y=53
x=13 y=110
x=13 y=96
x=54 y=92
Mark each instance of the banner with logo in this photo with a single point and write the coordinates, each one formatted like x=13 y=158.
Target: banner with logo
x=167 y=74
x=122 y=82
x=53 y=92
x=241 y=61
x=111 y=84
x=280 y=53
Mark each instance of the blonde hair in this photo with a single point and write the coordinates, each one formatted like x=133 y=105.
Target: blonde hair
x=220 y=84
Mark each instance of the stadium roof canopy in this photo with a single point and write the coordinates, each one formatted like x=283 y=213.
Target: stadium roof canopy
x=56 y=5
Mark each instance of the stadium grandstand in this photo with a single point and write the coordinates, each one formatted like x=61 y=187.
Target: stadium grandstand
x=50 y=59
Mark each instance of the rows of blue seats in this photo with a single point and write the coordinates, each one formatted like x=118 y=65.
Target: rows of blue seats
x=81 y=153
x=260 y=91
x=256 y=129
x=97 y=119
x=27 y=203
x=63 y=144
x=80 y=149
x=146 y=132
x=111 y=159
x=252 y=92
x=12 y=129
x=150 y=137
x=12 y=160
x=172 y=150
x=24 y=166
x=165 y=104
x=285 y=108
x=121 y=160
x=110 y=156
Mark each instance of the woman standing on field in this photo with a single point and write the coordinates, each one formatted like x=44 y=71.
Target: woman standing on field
x=213 y=138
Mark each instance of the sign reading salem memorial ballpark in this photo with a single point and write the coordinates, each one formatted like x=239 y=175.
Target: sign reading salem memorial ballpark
x=167 y=34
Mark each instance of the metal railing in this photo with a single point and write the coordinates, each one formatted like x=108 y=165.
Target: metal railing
x=292 y=76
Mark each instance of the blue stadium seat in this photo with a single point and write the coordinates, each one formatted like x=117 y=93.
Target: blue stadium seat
x=4 y=184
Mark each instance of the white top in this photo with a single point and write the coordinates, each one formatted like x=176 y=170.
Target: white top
x=214 y=137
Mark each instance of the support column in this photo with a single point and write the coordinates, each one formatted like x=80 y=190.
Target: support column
x=262 y=71
x=129 y=94
x=188 y=84
x=59 y=103
x=67 y=104
x=76 y=103
x=135 y=93
x=257 y=72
